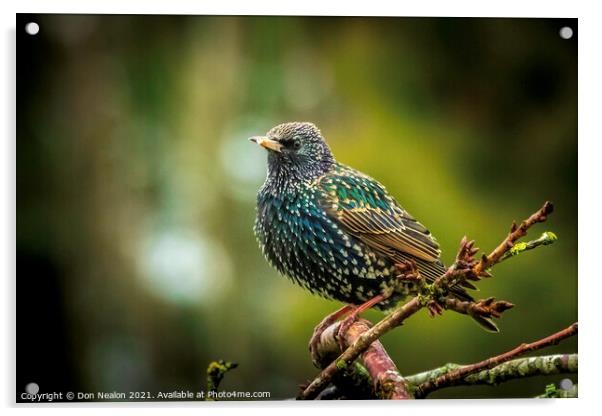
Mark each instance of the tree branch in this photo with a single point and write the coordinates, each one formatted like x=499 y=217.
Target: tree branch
x=465 y=268
x=455 y=375
x=545 y=239
x=360 y=345
x=387 y=381
x=516 y=232
x=215 y=374
x=517 y=368
x=485 y=307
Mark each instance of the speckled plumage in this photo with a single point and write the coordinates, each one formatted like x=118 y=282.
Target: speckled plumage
x=332 y=229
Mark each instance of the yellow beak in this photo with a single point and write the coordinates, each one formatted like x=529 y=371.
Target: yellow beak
x=266 y=143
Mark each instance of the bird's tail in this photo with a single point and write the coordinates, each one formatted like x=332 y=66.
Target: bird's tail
x=486 y=323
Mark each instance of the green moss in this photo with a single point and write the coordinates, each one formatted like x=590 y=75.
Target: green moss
x=340 y=364
x=545 y=239
x=551 y=391
x=517 y=248
x=215 y=373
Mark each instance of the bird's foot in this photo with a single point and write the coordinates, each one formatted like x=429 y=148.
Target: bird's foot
x=319 y=329
x=350 y=320
x=344 y=326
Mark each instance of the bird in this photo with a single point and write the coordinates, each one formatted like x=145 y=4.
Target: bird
x=336 y=231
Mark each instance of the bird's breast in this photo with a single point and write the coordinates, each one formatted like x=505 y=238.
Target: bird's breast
x=302 y=242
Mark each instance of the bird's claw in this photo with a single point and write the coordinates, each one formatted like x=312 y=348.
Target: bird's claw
x=320 y=328
x=344 y=326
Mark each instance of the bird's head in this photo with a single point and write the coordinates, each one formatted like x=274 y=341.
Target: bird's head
x=296 y=150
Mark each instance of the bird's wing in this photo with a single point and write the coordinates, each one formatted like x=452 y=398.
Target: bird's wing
x=364 y=208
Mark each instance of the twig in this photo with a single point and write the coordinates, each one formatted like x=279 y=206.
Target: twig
x=485 y=307
x=215 y=375
x=517 y=368
x=545 y=239
x=457 y=374
x=515 y=233
x=387 y=382
x=352 y=383
x=554 y=393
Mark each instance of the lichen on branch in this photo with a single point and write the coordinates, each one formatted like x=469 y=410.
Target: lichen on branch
x=460 y=373
x=215 y=374
x=517 y=368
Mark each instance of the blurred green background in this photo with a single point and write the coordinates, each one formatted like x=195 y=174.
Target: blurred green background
x=137 y=263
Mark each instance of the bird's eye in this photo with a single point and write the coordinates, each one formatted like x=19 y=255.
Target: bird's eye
x=296 y=144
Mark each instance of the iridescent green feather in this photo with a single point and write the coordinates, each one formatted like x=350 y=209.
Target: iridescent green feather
x=363 y=206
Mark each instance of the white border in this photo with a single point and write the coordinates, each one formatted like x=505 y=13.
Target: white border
x=590 y=70
x=507 y=8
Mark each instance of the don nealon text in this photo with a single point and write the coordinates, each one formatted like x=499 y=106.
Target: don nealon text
x=70 y=396
x=140 y=396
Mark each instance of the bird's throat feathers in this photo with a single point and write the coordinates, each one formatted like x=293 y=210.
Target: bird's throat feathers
x=286 y=174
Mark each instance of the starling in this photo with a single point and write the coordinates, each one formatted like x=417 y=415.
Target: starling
x=336 y=231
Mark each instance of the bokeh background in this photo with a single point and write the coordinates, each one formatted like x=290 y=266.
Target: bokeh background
x=137 y=263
